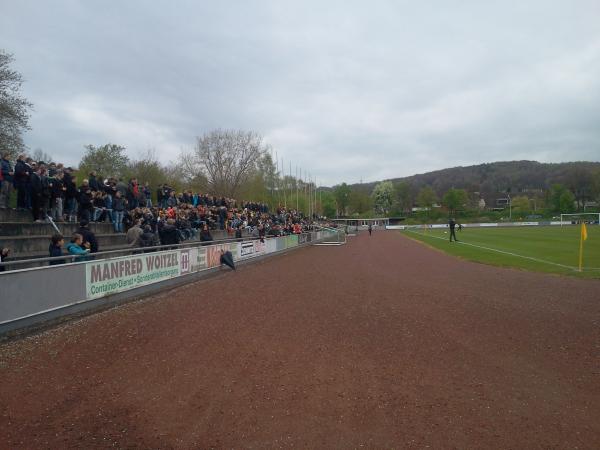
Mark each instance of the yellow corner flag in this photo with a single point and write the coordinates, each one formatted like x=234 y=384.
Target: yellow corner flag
x=581 y=239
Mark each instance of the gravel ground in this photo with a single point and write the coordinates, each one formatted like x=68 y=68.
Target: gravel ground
x=379 y=343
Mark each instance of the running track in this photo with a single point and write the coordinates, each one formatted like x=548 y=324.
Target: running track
x=379 y=343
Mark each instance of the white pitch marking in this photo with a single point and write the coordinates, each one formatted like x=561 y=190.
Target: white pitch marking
x=508 y=253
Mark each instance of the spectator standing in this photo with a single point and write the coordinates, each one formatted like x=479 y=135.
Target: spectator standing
x=22 y=179
x=159 y=197
x=86 y=206
x=171 y=200
x=93 y=182
x=148 y=195
x=118 y=205
x=6 y=181
x=37 y=193
x=57 y=196
x=133 y=193
x=71 y=194
x=52 y=169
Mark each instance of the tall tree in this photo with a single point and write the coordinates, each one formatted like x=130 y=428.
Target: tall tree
x=359 y=202
x=402 y=197
x=108 y=160
x=383 y=196
x=228 y=158
x=455 y=199
x=341 y=193
x=14 y=109
x=561 y=199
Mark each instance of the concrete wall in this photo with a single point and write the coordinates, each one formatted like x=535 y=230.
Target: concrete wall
x=32 y=296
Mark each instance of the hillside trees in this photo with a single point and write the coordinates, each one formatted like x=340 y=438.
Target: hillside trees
x=426 y=197
x=521 y=204
x=14 y=109
x=341 y=194
x=561 y=199
x=455 y=199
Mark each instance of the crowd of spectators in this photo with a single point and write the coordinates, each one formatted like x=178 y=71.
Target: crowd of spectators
x=50 y=192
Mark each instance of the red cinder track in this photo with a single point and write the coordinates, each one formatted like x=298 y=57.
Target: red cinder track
x=379 y=343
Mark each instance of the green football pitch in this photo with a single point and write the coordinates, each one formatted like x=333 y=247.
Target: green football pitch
x=552 y=249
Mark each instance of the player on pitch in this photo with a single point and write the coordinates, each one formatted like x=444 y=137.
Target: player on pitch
x=452 y=225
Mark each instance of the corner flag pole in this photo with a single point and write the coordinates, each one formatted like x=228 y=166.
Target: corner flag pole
x=582 y=238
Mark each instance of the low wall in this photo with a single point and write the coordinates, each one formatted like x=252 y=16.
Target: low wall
x=31 y=296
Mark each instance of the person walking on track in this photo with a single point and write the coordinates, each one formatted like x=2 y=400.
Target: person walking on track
x=452 y=225
x=370 y=229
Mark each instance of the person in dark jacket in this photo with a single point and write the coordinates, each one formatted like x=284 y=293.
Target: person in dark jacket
x=169 y=234
x=4 y=252
x=452 y=225
x=57 y=196
x=148 y=238
x=89 y=238
x=6 y=181
x=93 y=182
x=86 y=197
x=71 y=195
x=39 y=186
x=118 y=206
x=55 y=249
x=205 y=235
x=22 y=179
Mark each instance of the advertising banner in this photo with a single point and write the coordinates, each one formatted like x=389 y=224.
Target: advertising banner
x=108 y=277
x=271 y=245
x=192 y=260
x=213 y=253
x=251 y=249
x=280 y=243
x=291 y=241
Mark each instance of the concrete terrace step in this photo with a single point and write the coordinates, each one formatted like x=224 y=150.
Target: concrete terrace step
x=12 y=215
x=46 y=229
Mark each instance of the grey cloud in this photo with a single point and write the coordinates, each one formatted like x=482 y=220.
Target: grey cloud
x=344 y=90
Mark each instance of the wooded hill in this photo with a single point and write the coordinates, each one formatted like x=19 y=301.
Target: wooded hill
x=491 y=180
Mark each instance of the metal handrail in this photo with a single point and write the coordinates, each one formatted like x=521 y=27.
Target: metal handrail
x=75 y=259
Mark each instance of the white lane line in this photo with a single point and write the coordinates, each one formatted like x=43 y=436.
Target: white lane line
x=505 y=252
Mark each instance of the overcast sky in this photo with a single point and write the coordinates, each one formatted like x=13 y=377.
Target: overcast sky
x=349 y=90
